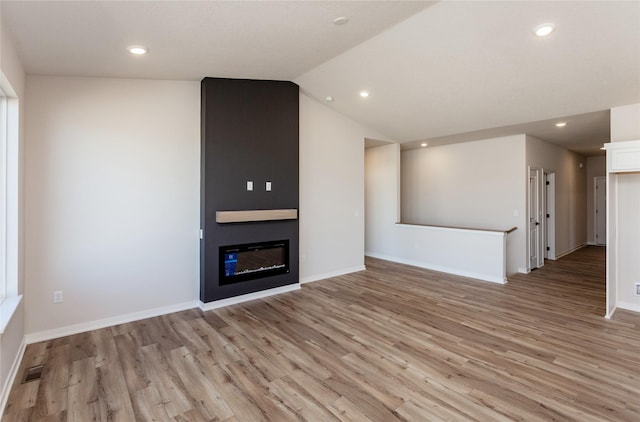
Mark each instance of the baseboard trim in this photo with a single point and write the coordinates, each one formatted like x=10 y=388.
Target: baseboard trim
x=628 y=306
x=246 y=298
x=107 y=322
x=477 y=276
x=6 y=388
x=337 y=273
x=609 y=315
x=569 y=251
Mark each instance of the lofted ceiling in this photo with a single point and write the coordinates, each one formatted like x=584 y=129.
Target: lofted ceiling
x=189 y=40
x=461 y=67
x=438 y=71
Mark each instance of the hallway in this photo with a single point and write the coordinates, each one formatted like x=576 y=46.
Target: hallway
x=583 y=271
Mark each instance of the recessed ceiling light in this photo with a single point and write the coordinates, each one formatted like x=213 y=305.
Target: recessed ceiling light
x=561 y=124
x=328 y=99
x=137 y=50
x=544 y=29
x=364 y=94
x=340 y=20
x=424 y=144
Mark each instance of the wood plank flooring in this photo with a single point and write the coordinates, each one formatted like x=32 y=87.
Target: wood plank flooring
x=390 y=343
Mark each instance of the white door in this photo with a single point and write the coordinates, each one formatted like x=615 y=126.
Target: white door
x=549 y=219
x=547 y=214
x=601 y=210
x=534 y=220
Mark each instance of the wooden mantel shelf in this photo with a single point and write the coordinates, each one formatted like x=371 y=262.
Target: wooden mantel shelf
x=246 y=216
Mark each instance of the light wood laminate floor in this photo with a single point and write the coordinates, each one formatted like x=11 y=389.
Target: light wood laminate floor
x=390 y=343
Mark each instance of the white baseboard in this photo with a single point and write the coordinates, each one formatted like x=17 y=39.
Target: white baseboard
x=454 y=271
x=609 y=315
x=568 y=251
x=107 y=322
x=330 y=274
x=13 y=372
x=249 y=296
x=635 y=307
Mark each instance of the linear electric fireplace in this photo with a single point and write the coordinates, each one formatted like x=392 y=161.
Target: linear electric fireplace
x=249 y=189
x=253 y=260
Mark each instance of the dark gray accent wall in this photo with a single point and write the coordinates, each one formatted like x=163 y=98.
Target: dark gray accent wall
x=249 y=133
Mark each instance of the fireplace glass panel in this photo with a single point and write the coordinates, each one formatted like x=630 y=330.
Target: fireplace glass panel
x=253 y=260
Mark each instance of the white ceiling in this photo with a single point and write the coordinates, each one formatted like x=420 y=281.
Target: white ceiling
x=189 y=40
x=434 y=70
x=460 y=67
x=585 y=133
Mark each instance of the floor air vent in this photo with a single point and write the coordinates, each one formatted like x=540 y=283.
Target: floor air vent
x=32 y=374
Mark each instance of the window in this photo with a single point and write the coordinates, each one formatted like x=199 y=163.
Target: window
x=4 y=129
x=8 y=193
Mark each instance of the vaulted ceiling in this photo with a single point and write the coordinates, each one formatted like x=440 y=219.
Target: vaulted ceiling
x=443 y=71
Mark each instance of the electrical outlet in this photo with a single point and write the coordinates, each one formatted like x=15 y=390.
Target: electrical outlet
x=57 y=296
x=637 y=289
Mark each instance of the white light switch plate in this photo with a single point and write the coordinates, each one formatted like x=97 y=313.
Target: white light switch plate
x=249 y=185
x=267 y=186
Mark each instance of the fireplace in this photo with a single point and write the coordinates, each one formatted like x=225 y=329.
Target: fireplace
x=251 y=261
x=249 y=188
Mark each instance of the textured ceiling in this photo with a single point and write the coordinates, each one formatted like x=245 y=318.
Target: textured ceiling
x=460 y=67
x=434 y=70
x=189 y=40
x=585 y=133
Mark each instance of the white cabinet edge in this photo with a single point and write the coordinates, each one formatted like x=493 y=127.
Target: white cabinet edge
x=623 y=157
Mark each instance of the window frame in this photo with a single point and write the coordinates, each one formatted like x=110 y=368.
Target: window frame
x=9 y=198
x=4 y=144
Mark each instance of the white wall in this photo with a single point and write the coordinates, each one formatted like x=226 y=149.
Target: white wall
x=382 y=197
x=331 y=191
x=628 y=240
x=477 y=254
x=625 y=126
x=11 y=340
x=479 y=184
x=570 y=196
x=625 y=123
x=112 y=199
x=596 y=167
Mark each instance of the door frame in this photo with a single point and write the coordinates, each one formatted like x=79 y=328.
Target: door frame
x=549 y=209
x=595 y=209
x=538 y=195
